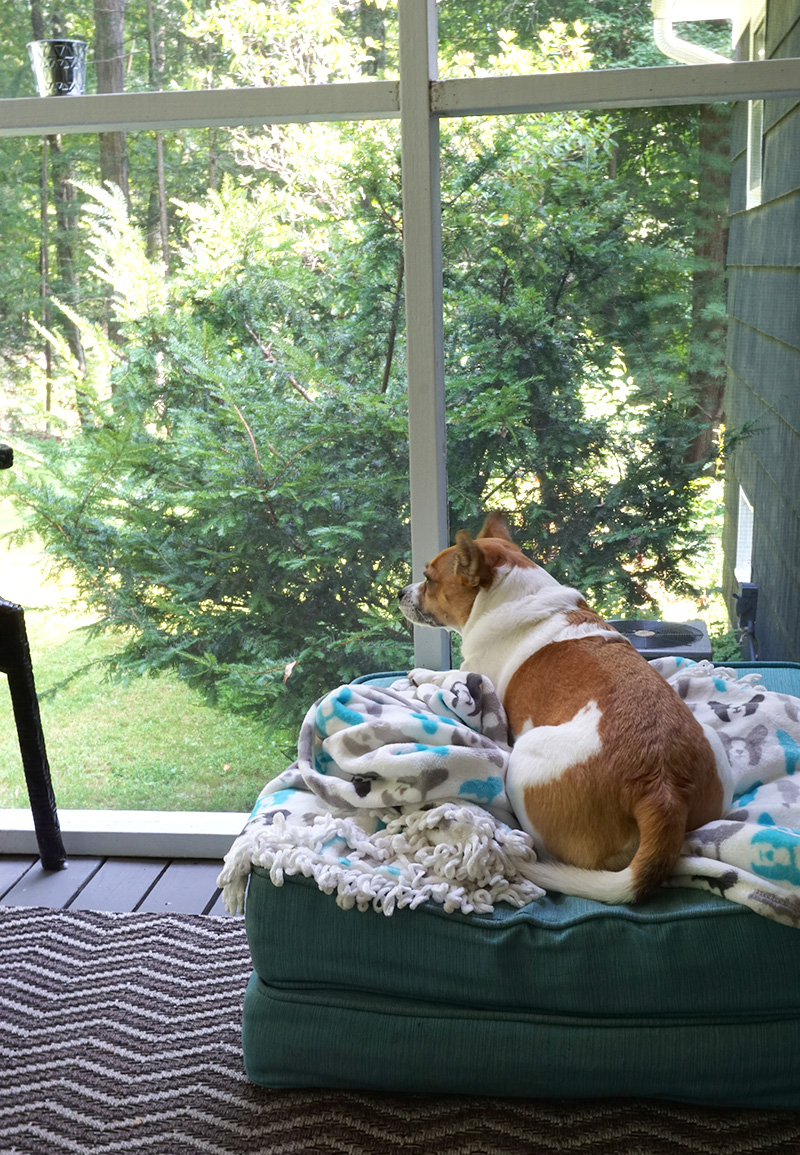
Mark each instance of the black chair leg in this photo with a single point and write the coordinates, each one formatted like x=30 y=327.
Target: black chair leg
x=15 y=662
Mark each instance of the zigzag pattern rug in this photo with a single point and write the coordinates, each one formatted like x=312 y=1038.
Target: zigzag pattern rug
x=121 y=1033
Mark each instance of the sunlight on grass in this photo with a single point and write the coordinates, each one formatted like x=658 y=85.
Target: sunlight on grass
x=149 y=744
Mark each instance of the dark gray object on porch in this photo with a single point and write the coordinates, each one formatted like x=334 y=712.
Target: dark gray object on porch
x=657 y=639
x=15 y=663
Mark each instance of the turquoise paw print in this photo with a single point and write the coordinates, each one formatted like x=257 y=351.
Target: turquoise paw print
x=778 y=855
x=791 y=751
x=429 y=725
x=744 y=799
x=484 y=789
x=322 y=761
x=333 y=713
x=279 y=798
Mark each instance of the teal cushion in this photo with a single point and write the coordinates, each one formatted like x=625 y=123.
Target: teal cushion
x=345 y=1039
x=675 y=954
x=686 y=996
x=563 y=998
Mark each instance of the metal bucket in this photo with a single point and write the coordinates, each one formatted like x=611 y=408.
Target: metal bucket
x=59 y=66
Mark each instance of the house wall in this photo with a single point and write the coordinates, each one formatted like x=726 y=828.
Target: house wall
x=763 y=388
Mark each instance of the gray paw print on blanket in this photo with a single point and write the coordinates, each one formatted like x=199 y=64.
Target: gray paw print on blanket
x=415 y=788
x=714 y=835
x=790 y=705
x=365 y=742
x=745 y=750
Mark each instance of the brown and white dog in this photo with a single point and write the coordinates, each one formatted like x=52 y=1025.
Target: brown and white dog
x=609 y=768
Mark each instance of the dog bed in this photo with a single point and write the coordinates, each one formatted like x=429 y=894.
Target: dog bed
x=476 y=984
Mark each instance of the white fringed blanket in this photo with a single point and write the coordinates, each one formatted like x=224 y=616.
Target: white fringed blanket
x=398 y=797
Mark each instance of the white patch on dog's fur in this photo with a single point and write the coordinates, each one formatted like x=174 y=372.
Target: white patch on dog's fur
x=614 y=886
x=543 y=753
x=521 y=612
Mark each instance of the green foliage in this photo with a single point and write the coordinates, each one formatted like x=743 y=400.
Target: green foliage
x=248 y=530
x=726 y=647
x=567 y=405
x=134 y=744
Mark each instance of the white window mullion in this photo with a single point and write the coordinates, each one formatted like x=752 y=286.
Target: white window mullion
x=204 y=108
x=375 y=100
x=422 y=240
x=616 y=88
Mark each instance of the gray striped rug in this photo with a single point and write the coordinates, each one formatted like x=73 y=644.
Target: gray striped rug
x=121 y=1033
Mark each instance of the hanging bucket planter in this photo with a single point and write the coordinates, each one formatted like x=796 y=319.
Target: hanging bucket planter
x=59 y=66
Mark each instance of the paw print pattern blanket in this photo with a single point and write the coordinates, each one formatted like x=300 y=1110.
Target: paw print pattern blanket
x=398 y=797
x=752 y=854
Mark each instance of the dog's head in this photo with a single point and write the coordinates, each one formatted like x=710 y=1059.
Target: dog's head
x=455 y=577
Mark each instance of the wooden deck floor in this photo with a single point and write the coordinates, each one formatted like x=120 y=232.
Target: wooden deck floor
x=114 y=884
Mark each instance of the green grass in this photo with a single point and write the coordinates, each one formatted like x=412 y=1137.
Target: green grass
x=149 y=744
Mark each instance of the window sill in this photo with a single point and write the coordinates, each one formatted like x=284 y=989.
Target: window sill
x=128 y=833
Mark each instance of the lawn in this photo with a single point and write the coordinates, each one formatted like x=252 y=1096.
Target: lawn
x=149 y=744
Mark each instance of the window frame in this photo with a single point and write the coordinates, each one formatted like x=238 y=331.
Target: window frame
x=757 y=48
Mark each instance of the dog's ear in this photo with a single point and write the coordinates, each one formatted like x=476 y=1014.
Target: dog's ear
x=495 y=526
x=471 y=562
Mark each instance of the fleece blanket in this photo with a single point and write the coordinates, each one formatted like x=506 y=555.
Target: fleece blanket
x=398 y=797
x=752 y=854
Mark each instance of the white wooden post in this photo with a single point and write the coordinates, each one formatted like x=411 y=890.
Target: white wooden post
x=422 y=240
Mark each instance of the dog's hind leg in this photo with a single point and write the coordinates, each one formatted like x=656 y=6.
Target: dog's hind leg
x=662 y=826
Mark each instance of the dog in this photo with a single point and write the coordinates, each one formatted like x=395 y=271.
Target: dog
x=609 y=768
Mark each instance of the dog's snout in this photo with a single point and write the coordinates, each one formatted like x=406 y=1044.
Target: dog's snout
x=401 y=593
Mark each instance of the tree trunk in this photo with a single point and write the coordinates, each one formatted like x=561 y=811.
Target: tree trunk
x=57 y=168
x=372 y=27
x=158 y=235
x=109 y=53
x=393 y=320
x=706 y=365
x=44 y=269
x=65 y=201
x=214 y=179
x=37 y=20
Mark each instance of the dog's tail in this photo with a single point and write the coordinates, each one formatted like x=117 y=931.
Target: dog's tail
x=662 y=828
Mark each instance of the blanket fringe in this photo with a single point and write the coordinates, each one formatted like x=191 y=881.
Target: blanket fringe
x=459 y=856
x=706 y=669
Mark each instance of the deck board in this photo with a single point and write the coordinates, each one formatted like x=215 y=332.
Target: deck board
x=12 y=868
x=115 y=884
x=184 y=888
x=218 y=909
x=120 y=885
x=52 y=888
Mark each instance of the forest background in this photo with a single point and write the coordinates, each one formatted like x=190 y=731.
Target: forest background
x=202 y=337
